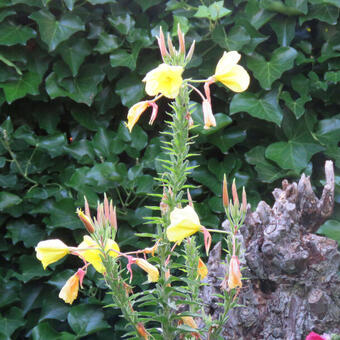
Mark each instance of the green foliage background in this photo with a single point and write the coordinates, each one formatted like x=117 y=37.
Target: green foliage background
x=69 y=70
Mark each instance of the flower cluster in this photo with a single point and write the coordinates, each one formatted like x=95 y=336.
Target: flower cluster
x=166 y=80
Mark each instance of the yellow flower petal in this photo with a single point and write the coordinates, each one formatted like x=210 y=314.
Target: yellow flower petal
x=135 y=112
x=164 y=79
x=202 y=269
x=51 y=251
x=70 y=290
x=230 y=74
x=153 y=274
x=93 y=256
x=189 y=321
x=228 y=60
x=183 y=223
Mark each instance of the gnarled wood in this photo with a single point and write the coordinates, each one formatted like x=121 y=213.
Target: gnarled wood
x=293 y=286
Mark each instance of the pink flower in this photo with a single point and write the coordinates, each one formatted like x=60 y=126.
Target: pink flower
x=315 y=336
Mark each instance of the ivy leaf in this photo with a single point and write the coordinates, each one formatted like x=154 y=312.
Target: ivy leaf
x=123 y=58
x=12 y=34
x=10 y=64
x=130 y=89
x=324 y=12
x=256 y=15
x=86 y=319
x=107 y=43
x=74 y=52
x=82 y=89
x=236 y=38
x=266 y=171
x=295 y=153
x=8 y=199
x=214 y=12
x=27 y=84
x=296 y=106
x=265 y=107
x=266 y=72
x=284 y=30
x=12 y=321
x=146 y=4
x=123 y=23
x=332 y=76
x=328 y=130
x=52 y=31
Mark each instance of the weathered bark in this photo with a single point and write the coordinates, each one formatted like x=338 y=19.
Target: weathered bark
x=293 y=286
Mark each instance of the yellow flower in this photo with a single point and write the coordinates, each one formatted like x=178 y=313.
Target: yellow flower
x=234 y=278
x=135 y=112
x=51 y=251
x=70 y=290
x=230 y=74
x=183 y=223
x=202 y=269
x=164 y=79
x=93 y=256
x=189 y=321
x=152 y=271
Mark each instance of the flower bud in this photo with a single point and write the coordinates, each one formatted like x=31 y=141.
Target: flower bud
x=142 y=331
x=202 y=270
x=209 y=119
x=181 y=40
x=86 y=221
x=191 y=52
x=225 y=196
x=161 y=44
x=234 y=192
x=244 y=200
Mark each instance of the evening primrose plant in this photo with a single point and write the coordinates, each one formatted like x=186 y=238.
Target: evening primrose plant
x=171 y=308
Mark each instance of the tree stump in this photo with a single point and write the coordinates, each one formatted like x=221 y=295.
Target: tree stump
x=293 y=285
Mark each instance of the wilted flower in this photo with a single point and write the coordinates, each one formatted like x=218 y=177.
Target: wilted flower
x=70 y=290
x=136 y=111
x=153 y=274
x=189 y=321
x=184 y=222
x=202 y=269
x=93 y=255
x=315 y=336
x=234 y=277
x=209 y=119
x=230 y=74
x=51 y=251
x=165 y=80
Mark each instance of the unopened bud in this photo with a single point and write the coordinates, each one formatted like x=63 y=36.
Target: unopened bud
x=86 y=221
x=87 y=208
x=189 y=198
x=191 y=52
x=161 y=44
x=244 y=200
x=225 y=196
x=171 y=46
x=164 y=205
x=234 y=192
x=113 y=217
x=181 y=40
x=209 y=119
x=106 y=207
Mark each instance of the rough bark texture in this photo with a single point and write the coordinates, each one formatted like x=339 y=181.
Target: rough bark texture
x=293 y=286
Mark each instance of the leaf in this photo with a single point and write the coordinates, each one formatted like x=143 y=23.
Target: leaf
x=6 y=13
x=53 y=144
x=8 y=200
x=54 y=32
x=74 y=52
x=27 y=84
x=298 y=150
x=332 y=76
x=146 y=4
x=296 y=106
x=20 y=230
x=107 y=43
x=265 y=107
x=123 y=58
x=54 y=308
x=284 y=30
x=236 y=38
x=44 y=331
x=31 y=268
x=331 y=229
x=10 y=64
x=256 y=15
x=225 y=140
x=324 y=12
x=328 y=130
x=123 y=23
x=214 y=12
x=130 y=89
x=86 y=319
x=267 y=72
x=82 y=89
x=12 y=34
x=266 y=171
x=330 y=2
x=12 y=321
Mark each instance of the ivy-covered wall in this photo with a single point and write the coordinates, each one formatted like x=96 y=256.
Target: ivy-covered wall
x=69 y=71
